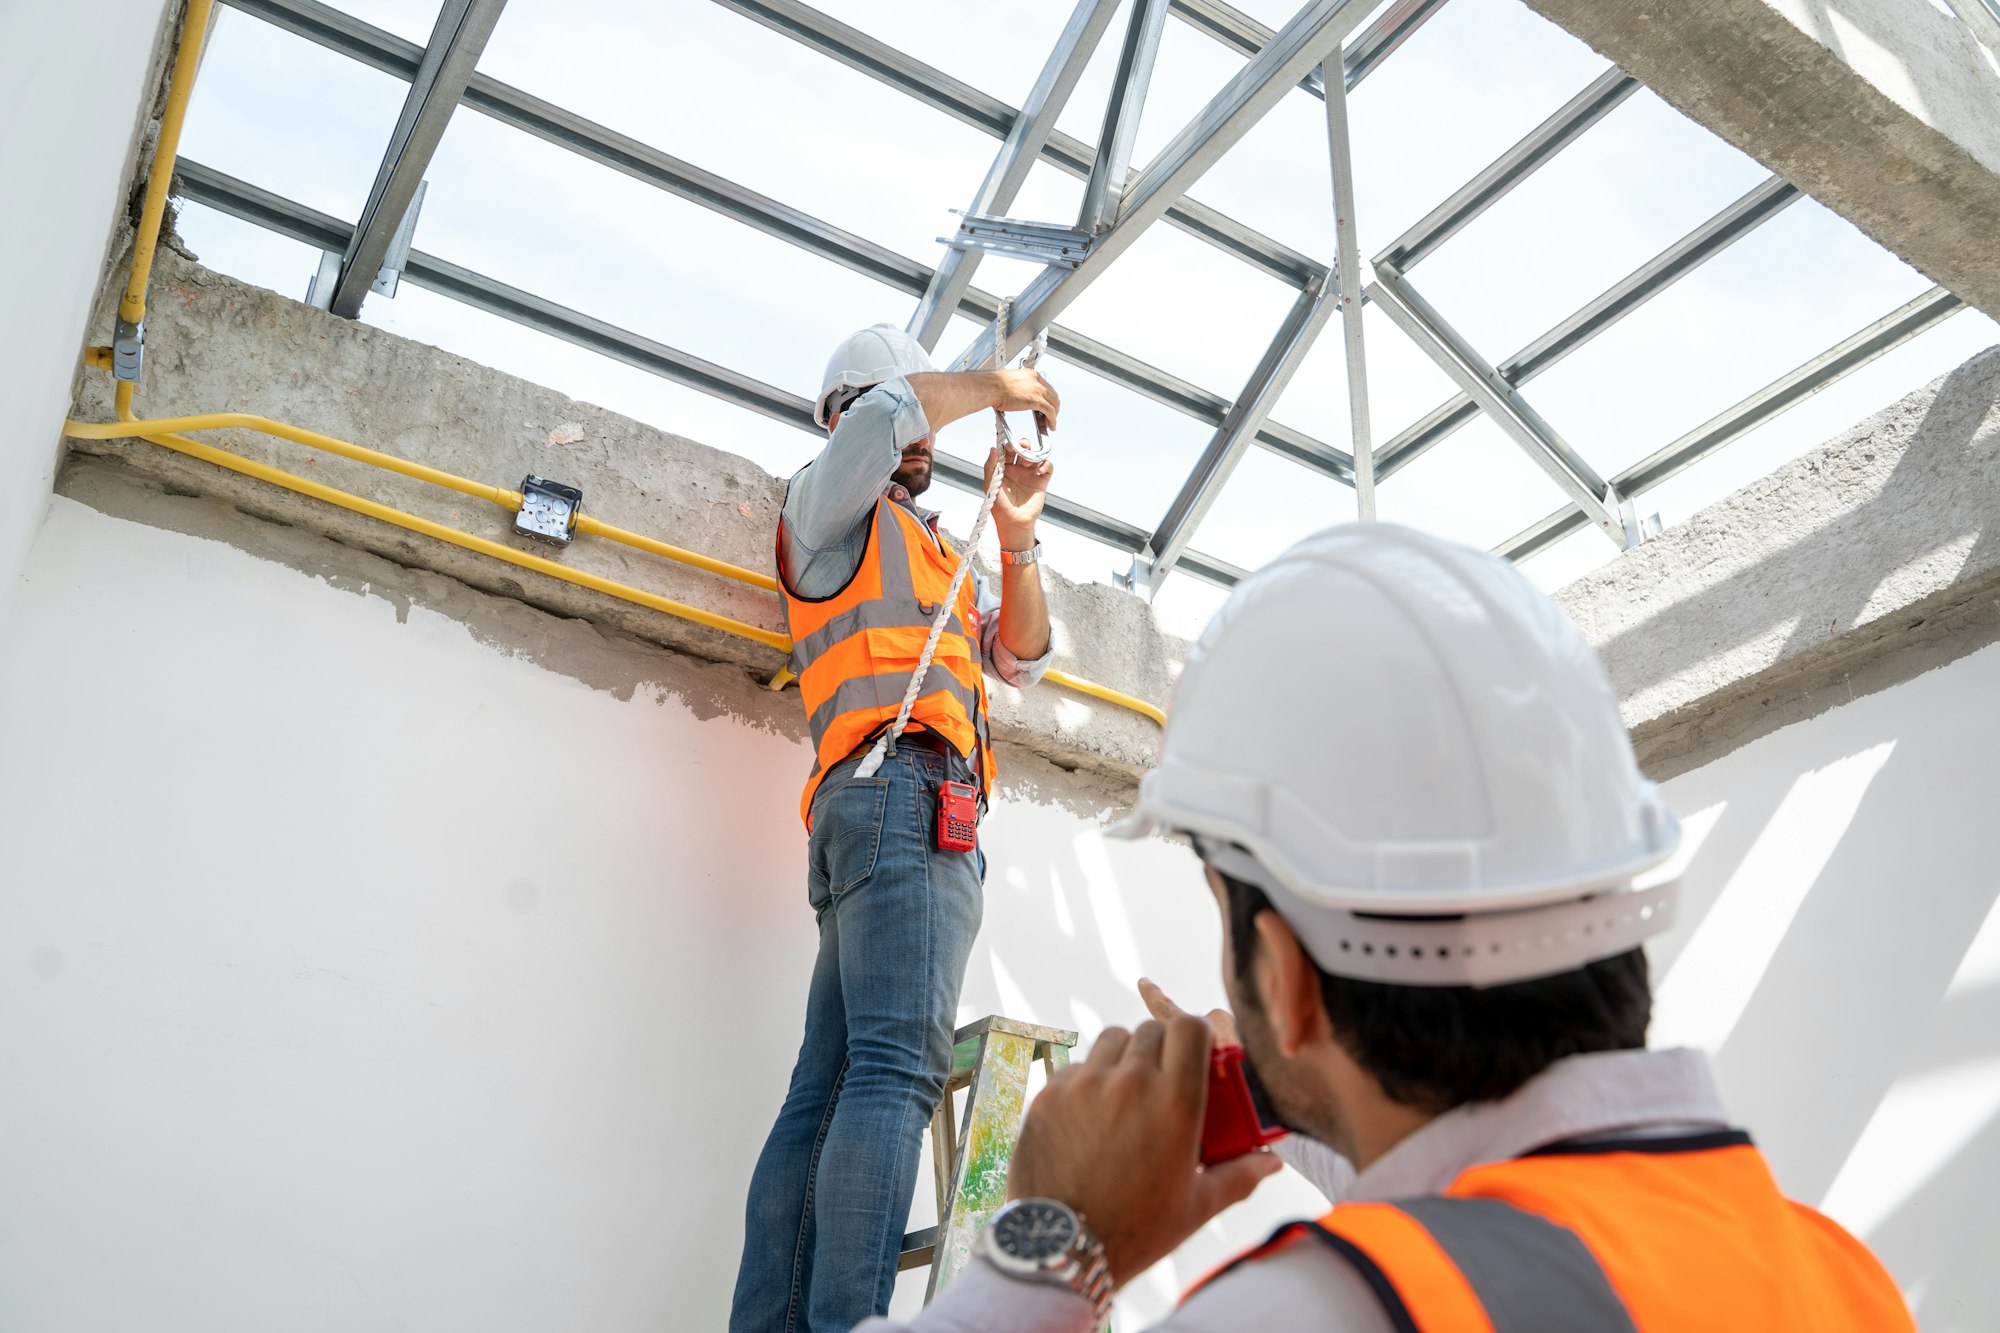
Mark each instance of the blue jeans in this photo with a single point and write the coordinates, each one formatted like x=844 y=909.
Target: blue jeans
x=831 y=1193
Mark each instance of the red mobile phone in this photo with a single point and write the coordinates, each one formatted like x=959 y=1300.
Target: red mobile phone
x=1239 y=1117
x=958 y=817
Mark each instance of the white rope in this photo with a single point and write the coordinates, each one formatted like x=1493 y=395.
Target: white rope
x=885 y=744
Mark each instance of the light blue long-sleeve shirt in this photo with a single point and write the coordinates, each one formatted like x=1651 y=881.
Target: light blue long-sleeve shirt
x=823 y=530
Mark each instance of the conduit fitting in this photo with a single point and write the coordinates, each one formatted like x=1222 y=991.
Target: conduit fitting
x=97 y=358
x=128 y=349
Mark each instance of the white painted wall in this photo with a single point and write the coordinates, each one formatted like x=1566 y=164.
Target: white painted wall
x=1841 y=954
x=355 y=974
x=71 y=79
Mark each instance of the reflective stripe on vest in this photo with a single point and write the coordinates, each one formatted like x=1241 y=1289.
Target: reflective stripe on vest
x=854 y=652
x=1668 y=1235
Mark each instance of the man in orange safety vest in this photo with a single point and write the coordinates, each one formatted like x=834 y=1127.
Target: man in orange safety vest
x=1436 y=861
x=897 y=895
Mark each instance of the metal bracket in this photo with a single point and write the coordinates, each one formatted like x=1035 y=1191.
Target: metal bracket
x=320 y=294
x=1637 y=529
x=128 y=350
x=1042 y=242
x=548 y=511
x=1138 y=579
x=399 y=247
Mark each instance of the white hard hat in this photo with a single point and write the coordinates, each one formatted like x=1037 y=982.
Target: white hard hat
x=877 y=353
x=1413 y=751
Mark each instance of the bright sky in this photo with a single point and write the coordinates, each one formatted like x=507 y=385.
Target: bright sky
x=732 y=96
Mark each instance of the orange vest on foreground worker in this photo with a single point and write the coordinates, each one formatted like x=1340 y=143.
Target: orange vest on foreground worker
x=1660 y=1235
x=854 y=652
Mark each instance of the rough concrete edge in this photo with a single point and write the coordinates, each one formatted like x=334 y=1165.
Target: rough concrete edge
x=601 y=658
x=1952 y=623
x=1928 y=219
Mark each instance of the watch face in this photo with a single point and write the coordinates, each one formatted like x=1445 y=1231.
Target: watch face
x=1034 y=1232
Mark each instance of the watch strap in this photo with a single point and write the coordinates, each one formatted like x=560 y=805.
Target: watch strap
x=1031 y=556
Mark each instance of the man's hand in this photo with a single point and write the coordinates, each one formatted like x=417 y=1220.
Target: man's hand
x=1118 y=1138
x=1026 y=391
x=1020 y=501
x=1221 y=1023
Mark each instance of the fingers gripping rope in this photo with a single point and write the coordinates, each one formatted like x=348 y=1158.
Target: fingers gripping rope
x=1038 y=451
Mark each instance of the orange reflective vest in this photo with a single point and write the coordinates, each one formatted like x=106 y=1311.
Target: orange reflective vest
x=1667 y=1235
x=854 y=652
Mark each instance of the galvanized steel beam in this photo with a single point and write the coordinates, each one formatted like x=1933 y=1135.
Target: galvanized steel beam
x=1509 y=169
x=1127 y=102
x=1308 y=315
x=225 y=193
x=435 y=89
x=1018 y=153
x=1497 y=398
x=1835 y=363
x=607 y=147
x=1620 y=299
x=1312 y=35
x=877 y=59
x=1349 y=285
x=1370 y=47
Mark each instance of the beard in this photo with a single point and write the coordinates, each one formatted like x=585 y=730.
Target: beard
x=914 y=475
x=1291 y=1103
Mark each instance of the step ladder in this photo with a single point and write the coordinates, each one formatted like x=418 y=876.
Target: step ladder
x=991 y=1059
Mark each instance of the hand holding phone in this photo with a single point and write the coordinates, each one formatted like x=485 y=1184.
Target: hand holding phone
x=1239 y=1118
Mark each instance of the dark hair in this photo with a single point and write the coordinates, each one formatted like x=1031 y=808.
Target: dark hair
x=1434 y=1047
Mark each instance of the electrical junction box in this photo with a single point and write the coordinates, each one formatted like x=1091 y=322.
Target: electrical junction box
x=548 y=511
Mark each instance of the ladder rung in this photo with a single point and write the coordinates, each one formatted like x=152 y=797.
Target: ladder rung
x=918 y=1248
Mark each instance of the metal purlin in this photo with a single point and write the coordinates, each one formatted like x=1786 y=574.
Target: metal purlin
x=166 y=432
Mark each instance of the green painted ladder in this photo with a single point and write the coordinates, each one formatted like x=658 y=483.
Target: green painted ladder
x=991 y=1058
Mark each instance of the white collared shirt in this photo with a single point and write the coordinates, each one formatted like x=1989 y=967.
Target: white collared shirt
x=1310 y=1287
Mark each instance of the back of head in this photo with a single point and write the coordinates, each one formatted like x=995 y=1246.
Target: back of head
x=1407 y=750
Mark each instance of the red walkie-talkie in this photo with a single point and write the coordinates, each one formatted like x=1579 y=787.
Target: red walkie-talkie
x=1238 y=1120
x=958 y=817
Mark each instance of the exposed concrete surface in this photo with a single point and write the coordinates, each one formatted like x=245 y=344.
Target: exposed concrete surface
x=217 y=344
x=1854 y=567
x=1886 y=110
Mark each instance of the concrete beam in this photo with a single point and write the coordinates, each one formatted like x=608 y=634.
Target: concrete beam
x=1852 y=568
x=218 y=344
x=1888 y=111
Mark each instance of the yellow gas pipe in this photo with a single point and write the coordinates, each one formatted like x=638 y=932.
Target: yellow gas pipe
x=165 y=433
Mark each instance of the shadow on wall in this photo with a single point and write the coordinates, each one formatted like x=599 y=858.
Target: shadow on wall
x=1821 y=582
x=1840 y=953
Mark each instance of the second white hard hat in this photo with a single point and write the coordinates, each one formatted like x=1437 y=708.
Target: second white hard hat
x=1413 y=751
x=877 y=353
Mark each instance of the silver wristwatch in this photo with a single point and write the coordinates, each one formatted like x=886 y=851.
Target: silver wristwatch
x=1031 y=556
x=1041 y=1240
